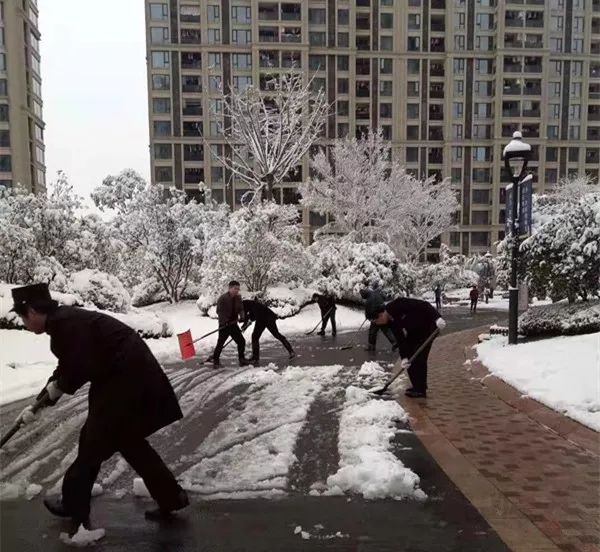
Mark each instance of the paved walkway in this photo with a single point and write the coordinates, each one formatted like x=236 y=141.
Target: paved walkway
x=537 y=488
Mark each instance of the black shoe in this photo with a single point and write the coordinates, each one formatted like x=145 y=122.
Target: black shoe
x=252 y=360
x=165 y=514
x=244 y=362
x=55 y=506
x=369 y=349
x=293 y=355
x=413 y=394
x=321 y=333
x=216 y=364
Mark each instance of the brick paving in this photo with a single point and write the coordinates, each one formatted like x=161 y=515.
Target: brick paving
x=510 y=454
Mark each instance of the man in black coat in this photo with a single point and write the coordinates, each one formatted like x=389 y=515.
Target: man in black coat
x=264 y=319
x=130 y=398
x=374 y=301
x=412 y=322
x=327 y=307
x=230 y=310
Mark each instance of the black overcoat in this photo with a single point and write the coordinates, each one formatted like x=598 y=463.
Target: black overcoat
x=253 y=310
x=413 y=322
x=130 y=396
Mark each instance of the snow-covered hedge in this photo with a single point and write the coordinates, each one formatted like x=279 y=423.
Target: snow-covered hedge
x=287 y=302
x=561 y=319
x=348 y=267
x=147 y=324
x=100 y=289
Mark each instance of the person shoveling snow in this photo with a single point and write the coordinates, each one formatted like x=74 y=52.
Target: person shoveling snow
x=130 y=398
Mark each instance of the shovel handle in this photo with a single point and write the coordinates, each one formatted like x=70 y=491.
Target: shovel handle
x=36 y=407
x=214 y=331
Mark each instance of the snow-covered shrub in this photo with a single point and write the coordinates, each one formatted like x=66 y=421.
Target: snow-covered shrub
x=262 y=246
x=286 y=302
x=49 y=271
x=561 y=319
x=449 y=273
x=147 y=324
x=346 y=267
x=100 y=289
x=485 y=266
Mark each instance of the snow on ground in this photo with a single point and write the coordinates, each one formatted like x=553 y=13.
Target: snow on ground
x=26 y=361
x=250 y=453
x=83 y=537
x=563 y=372
x=367 y=464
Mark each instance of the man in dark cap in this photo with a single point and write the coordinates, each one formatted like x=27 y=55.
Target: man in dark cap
x=265 y=319
x=130 y=398
x=374 y=301
x=412 y=321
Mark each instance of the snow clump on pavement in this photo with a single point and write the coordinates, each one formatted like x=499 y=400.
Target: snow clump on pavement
x=83 y=537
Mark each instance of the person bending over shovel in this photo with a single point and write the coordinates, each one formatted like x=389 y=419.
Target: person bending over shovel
x=412 y=322
x=130 y=398
x=265 y=319
x=327 y=307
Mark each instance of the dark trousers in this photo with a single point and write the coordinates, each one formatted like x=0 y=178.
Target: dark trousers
x=417 y=371
x=137 y=452
x=326 y=318
x=235 y=333
x=438 y=303
x=473 y=305
x=385 y=330
x=259 y=327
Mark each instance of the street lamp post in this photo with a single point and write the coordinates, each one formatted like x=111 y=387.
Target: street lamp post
x=516 y=155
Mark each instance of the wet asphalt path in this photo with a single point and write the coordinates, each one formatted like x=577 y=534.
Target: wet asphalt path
x=445 y=522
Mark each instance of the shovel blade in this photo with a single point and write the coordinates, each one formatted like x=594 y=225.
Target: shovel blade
x=186 y=345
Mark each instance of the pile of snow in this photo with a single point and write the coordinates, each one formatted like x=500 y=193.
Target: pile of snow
x=561 y=319
x=250 y=453
x=140 y=489
x=101 y=289
x=367 y=464
x=149 y=325
x=317 y=533
x=562 y=373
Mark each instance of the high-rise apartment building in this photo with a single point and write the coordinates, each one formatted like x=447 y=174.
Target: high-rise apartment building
x=448 y=81
x=21 y=125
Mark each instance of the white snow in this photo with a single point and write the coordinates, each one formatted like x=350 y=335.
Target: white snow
x=140 y=489
x=32 y=490
x=97 y=489
x=367 y=465
x=563 y=372
x=83 y=537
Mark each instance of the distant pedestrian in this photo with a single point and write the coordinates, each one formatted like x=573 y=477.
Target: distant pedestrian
x=264 y=319
x=474 y=296
x=374 y=300
x=486 y=295
x=438 y=297
x=230 y=310
x=327 y=307
x=412 y=322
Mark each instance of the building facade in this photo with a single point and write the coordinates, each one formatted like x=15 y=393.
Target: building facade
x=22 y=152
x=448 y=81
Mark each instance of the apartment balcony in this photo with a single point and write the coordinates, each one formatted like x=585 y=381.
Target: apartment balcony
x=438 y=4
x=435 y=156
x=596 y=6
x=534 y=42
x=190 y=36
x=363 y=89
x=268 y=11
x=363 y=66
x=595 y=71
x=436 y=69
x=193 y=109
x=290 y=12
x=594 y=113
x=436 y=112
x=436 y=133
x=437 y=45
x=532 y=67
x=363 y=22
x=592 y=156
x=595 y=25
x=269 y=58
x=436 y=90
x=513 y=66
x=438 y=23
x=363 y=43
x=531 y=112
x=268 y=34
x=533 y=88
x=594 y=91
x=531 y=131
x=512 y=87
x=534 y=20
x=363 y=111
x=513 y=41
x=511 y=112
x=593 y=134
x=363 y=3
x=291 y=34
x=595 y=49
x=513 y=19
x=191 y=60
x=192 y=86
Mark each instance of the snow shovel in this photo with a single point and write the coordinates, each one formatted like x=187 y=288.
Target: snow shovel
x=42 y=402
x=186 y=343
x=319 y=322
x=410 y=361
x=352 y=345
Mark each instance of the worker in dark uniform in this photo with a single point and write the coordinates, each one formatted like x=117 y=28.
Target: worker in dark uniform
x=230 y=310
x=264 y=319
x=327 y=307
x=373 y=302
x=130 y=398
x=412 y=322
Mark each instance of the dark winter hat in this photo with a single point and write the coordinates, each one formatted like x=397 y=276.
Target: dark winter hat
x=35 y=295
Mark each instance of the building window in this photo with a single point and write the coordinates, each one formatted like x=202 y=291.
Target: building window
x=163 y=151
x=159 y=35
x=214 y=60
x=214 y=36
x=161 y=82
x=161 y=105
x=551 y=176
x=189 y=14
x=343 y=63
x=412 y=111
x=457 y=110
x=412 y=155
x=241 y=61
x=343 y=130
x=480 y=239
x=162 y=128
x=574 y=132
x=3 y=87
x=386 y=43
x=459 y=42
x=343 y=17
x=159 y=12
x=192 y=107
x=343 y=108
x=191 y=83
x=480 y=217
x=192 y=128
x=414 y=43
x=316 y=38
x=241 y=14
x=457 y=132
x=193 y=176
x=385 y=88
x=5 y=163
x=414 y=22
x=240 y=83
x=456 y=153
x=317 y=16
x=39 y=133
x=5 y=138
x=193 y=152
x=459 y=66
x=412 y=88
x=385 y=110
x=386 y=66
x=459 y=87
x=387 y=20
x=413 y=66
x=412 y=132
x=163 y=174
x=241 y=36
x=160 y=60
x=214 y=14
x=342 y=86
x=575 y=90
x=578 y=45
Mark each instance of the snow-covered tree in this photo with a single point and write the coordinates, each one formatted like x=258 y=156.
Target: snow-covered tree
x=103 y=290
x=373 y=198
x=485 y=268
x=261 y=246
x=346 y=267
x=449 y=273
x=164 y=234
x=562 y=257
x=267 y=133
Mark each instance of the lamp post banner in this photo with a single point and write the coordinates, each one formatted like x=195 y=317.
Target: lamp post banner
x=525 y=207
x=508 y=210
